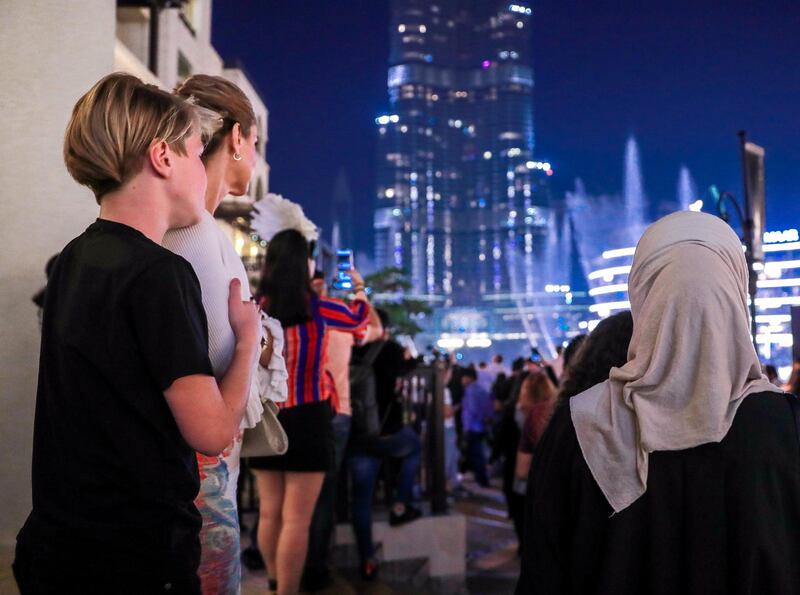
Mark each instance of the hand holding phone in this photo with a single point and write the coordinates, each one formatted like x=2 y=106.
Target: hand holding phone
x=344 y=265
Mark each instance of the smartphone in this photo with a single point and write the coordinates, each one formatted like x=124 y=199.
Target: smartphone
x=344 y=264
x=536 y=357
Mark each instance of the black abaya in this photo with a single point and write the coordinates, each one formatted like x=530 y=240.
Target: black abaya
x=716 y=519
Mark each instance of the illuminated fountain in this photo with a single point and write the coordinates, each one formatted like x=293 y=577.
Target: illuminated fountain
x=687 y=189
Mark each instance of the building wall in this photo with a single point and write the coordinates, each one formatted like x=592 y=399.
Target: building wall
x=41 y=207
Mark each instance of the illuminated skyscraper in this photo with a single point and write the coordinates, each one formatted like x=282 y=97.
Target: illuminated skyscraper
x=462 y=202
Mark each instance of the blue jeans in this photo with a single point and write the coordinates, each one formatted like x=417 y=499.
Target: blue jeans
x=322 y=523
x=364 y=464
x=450 y=454
x=477 y=457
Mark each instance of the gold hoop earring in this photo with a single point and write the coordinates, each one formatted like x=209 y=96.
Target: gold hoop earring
x=237 y=157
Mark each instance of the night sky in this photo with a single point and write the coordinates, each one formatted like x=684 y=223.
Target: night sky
x=683 y=76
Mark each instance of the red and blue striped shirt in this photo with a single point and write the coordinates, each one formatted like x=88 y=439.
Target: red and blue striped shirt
x=306 y=346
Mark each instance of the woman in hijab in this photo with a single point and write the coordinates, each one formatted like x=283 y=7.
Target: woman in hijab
x=680 y=474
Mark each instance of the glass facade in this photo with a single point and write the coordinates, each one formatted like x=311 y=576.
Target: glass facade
x=462 y=201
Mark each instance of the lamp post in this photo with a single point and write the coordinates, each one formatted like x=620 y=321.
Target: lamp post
x=751 y=216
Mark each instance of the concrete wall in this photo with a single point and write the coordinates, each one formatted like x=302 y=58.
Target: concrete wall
x=50 y=54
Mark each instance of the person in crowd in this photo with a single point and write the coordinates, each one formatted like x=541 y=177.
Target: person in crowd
x=557 y=363
x=771 y=372
x=289 y=484
x=395 y=441
x=229 y=159
x=506 y=443
x=126 y=390
x=392 y=363
x=486 y=377
x=316 y=575
x=496 y=366
x=450 y=444
x=476 y=412
x=606 y=347
x=569 y=352
x=678 y=474
x=537 y=403
x=500 y=388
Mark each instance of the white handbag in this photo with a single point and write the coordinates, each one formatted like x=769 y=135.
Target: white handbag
x=267 y=438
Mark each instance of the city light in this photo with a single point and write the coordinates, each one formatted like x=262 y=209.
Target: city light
x=618 y=253
x=540 y=165
x=609 y=273
x=520 y=9
x=450 y=343
x=603 y=309
x=556 y=288
x=782 y=247
x=616 y=288
x=385 y=119
x=775 y=237
x=479 y=342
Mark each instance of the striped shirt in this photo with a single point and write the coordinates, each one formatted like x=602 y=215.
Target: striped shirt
x=306 y=347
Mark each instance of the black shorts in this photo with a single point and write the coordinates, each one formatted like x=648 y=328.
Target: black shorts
x=311 y=445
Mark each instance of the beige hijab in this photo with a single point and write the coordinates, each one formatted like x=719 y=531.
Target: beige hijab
x=691 y=361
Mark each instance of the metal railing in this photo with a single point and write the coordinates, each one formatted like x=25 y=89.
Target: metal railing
x=422 y=396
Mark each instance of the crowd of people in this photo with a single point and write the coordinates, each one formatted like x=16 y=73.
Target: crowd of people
x=650 y=456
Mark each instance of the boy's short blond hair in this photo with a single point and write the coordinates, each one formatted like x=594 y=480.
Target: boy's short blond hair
x=116 y=121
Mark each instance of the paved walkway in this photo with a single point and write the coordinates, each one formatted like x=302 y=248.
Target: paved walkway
x=492 y=565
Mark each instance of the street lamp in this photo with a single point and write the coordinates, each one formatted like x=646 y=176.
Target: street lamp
x=751 y=216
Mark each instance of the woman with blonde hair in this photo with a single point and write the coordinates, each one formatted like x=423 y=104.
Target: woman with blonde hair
x=229 y=158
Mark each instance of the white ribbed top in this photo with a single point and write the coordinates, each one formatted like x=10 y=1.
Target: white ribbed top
x=215 y=262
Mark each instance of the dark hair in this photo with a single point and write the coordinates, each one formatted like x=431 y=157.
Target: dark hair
x=605 y=348
x=285 y=282
x=572 y=349
x=518 y=364
x=470 y=373
x=386 y=320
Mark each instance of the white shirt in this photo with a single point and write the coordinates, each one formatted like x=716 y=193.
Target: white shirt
x=215 y=262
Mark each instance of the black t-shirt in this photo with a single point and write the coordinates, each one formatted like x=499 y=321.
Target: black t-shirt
x=114 y=482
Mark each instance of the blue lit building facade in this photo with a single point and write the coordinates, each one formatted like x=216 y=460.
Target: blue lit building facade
x=461 y=195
